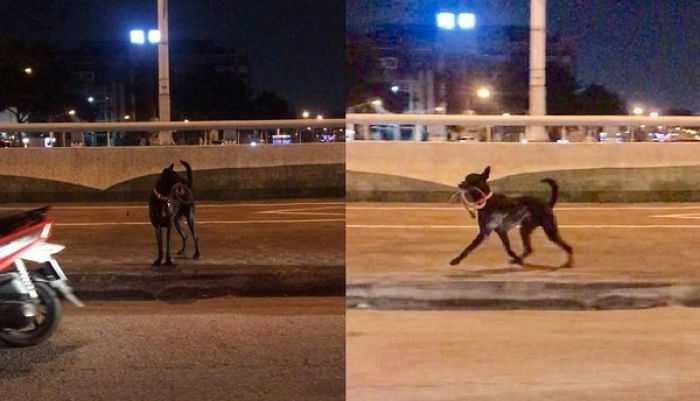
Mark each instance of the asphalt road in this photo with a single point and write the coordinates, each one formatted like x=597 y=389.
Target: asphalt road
x=616 y=240
x=222 y=349
x=104 y=237
x=641 y=355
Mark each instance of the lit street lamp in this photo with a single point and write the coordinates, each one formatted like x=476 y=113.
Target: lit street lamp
x=305 y=114
x=638 y=111
x=319 y=117
x=483 y=93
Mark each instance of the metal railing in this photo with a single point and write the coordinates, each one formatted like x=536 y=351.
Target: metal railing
x=512 y=127
x=176 y=133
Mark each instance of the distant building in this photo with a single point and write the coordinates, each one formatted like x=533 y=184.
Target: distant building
x=433 y=68
x=120 y=79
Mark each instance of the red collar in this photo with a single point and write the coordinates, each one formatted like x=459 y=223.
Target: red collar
x=159 y=196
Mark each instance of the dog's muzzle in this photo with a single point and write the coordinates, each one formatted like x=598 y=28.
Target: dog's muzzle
x=472 y=206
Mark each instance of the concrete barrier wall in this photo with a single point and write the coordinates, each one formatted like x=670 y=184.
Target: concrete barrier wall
x=129 y=173
x=587 y=172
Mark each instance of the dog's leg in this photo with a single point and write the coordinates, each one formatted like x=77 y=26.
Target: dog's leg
x=159 y=242
x=478 y=240
x=506 y=244
x=183 y=236
x=526 y=230
x=190 y=223
x=550 y=228
x=168 y=232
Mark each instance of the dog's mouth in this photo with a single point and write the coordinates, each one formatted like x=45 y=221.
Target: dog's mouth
x=471 y=196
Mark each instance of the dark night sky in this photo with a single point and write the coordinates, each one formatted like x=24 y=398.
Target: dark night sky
x=296 y=47
x=646 y=50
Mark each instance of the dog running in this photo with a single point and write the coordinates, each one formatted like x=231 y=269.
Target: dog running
x=500 y=213
x=170 y=202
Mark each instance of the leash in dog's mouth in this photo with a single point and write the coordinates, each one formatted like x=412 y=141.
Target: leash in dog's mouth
x=472 y=206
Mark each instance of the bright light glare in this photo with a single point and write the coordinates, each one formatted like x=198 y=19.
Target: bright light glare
x=466 y=21
x=638 y=111
x=25 y=140
x=446 y=20
x=653 y=114
x=91 y=99
x=377 y=102
x=153 y=36
x=137 y=36
x=28 y=70
x=483 y=93
x=71 y=112
x=395 y=88
x=253 y=143
x=305 y=114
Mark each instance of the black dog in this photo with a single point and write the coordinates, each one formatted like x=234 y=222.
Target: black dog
x=500 y=213
x=170 y=201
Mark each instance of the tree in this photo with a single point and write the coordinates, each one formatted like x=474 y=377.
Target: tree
x=36 y=94
x=205 y=94
x=673 y=111
x=597 y=100
x=268 y=106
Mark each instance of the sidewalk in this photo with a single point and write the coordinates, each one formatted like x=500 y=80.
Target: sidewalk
x=626 y=256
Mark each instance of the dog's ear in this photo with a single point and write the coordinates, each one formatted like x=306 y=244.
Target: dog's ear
x=172 y=165
x=486 y=172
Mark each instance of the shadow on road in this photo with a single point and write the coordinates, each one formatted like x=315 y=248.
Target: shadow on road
x=503 y=270
x=18 y=362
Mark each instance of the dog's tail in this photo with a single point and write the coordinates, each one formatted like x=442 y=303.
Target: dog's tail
x=189 y=173
x=555 y=191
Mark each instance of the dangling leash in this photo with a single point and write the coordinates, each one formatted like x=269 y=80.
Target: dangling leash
x=179 y=192
x=472 y=206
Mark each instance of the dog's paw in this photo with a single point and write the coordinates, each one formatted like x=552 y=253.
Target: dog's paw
x=517 y=261
x=196 y=256
x=455 y=261
x=169 y=263
x=156 y=262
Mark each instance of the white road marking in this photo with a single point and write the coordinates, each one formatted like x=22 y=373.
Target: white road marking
x=305 y=211
x=145 y=223
x=145 y=206
x=679 y=216
x=562 y=209
x=573 y=226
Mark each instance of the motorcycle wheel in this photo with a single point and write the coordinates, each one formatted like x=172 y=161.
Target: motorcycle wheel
x=45 y=322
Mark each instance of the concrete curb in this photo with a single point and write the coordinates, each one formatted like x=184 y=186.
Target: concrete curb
x=150 y=285
x=486 y=294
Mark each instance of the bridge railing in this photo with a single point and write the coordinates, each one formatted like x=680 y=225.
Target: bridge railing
x=513 y=128
x=229 y=132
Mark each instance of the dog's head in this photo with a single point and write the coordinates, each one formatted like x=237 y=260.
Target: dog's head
x=168 y=178
x=475 y=185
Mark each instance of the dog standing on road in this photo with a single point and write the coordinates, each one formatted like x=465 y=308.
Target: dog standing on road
x=170 y=201
x=501 y=213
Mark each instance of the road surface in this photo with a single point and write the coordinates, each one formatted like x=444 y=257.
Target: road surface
x=641 y=355
x=108 y=237
x=634 y=240
x=222 y=349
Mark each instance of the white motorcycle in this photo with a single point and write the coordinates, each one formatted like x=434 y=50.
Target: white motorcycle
x=30 y=309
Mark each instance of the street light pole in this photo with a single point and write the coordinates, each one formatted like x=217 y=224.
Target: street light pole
x=538 y=65
x=164 y=137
